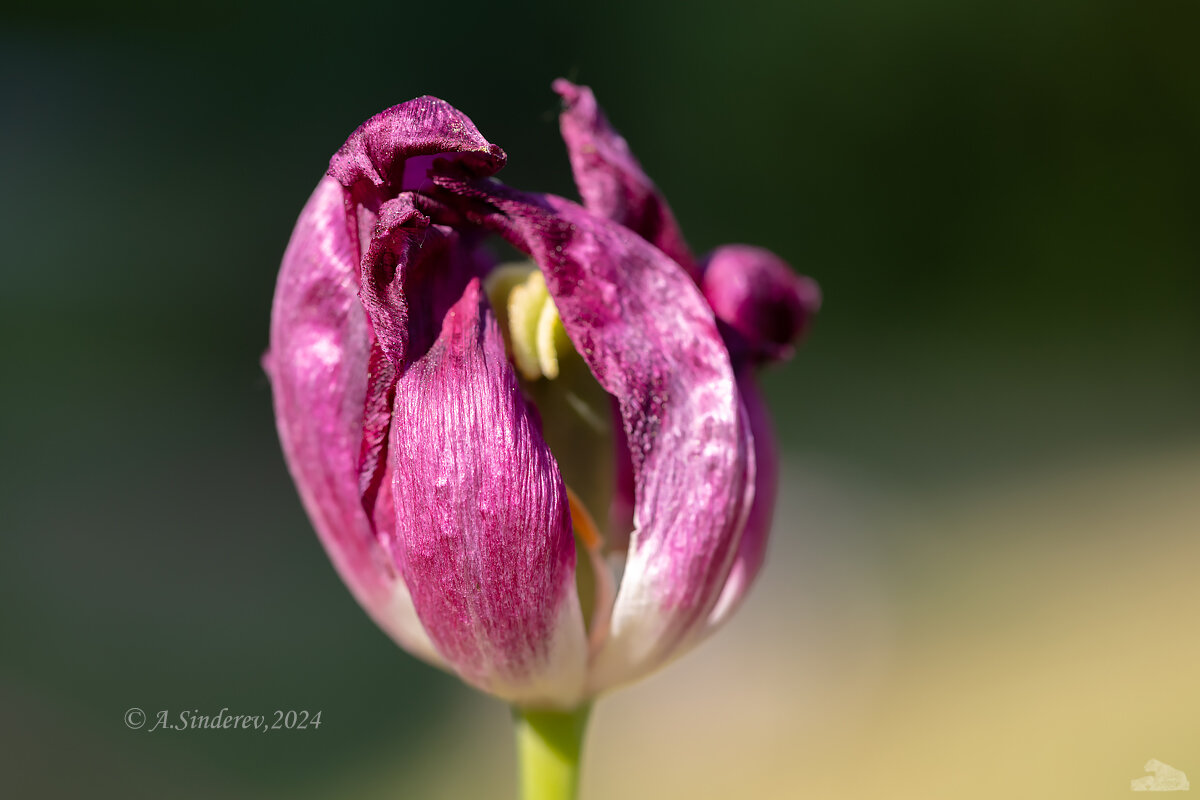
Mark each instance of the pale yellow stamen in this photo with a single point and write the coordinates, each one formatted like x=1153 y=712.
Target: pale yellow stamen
x=525 y=304
x=499 y=285
x=551 y=339
x=529 y=319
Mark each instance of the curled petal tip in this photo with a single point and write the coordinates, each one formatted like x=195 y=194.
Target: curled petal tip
x=764 y=306
x=394 y=150
x=611 y=181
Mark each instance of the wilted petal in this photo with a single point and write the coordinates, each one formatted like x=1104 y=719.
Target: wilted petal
x=620 y=513
x=483 y=533
x=761 y=301
x=376 y=422
x=611 y=181
x=411 y=274
x=393 y=150
x=650 y=339
x=752 y=550
x=320 y=344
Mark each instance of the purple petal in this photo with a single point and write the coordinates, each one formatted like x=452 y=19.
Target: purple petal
x=483 y=533
x=650 y=339
x=752 y=550
x=611 y=181
x=761 y=301
x=320 y=344
x=376 y=421
x=620 y=513
x=394 y=150
x=411 y=273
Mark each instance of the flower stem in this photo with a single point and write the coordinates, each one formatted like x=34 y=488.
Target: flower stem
x=549 y=744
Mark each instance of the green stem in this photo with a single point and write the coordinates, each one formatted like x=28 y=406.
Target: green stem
x=549 y=744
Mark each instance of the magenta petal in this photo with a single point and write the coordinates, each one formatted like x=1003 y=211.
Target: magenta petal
x=620 y=511
x=651 y=341
x=320 y=344
x=611 y=181
x=393 y=151
x=411 y=273
x=377 y=420
x=752 y=550
x=483 y=533
x=764 y=304
x=395 y=244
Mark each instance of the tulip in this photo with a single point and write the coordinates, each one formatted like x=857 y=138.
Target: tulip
x=550 y=478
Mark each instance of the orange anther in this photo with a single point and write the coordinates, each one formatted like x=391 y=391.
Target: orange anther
x=583 y=523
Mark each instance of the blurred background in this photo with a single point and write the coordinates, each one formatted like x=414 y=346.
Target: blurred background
x=983 y=580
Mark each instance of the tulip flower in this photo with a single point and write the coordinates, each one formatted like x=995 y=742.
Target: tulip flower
x=549 y=477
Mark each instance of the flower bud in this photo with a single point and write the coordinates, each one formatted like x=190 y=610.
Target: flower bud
x=551 y=478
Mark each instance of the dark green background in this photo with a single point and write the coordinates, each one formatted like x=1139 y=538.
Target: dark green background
x=999 y=201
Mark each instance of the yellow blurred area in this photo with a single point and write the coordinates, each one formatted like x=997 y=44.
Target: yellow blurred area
x=1034 y=639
